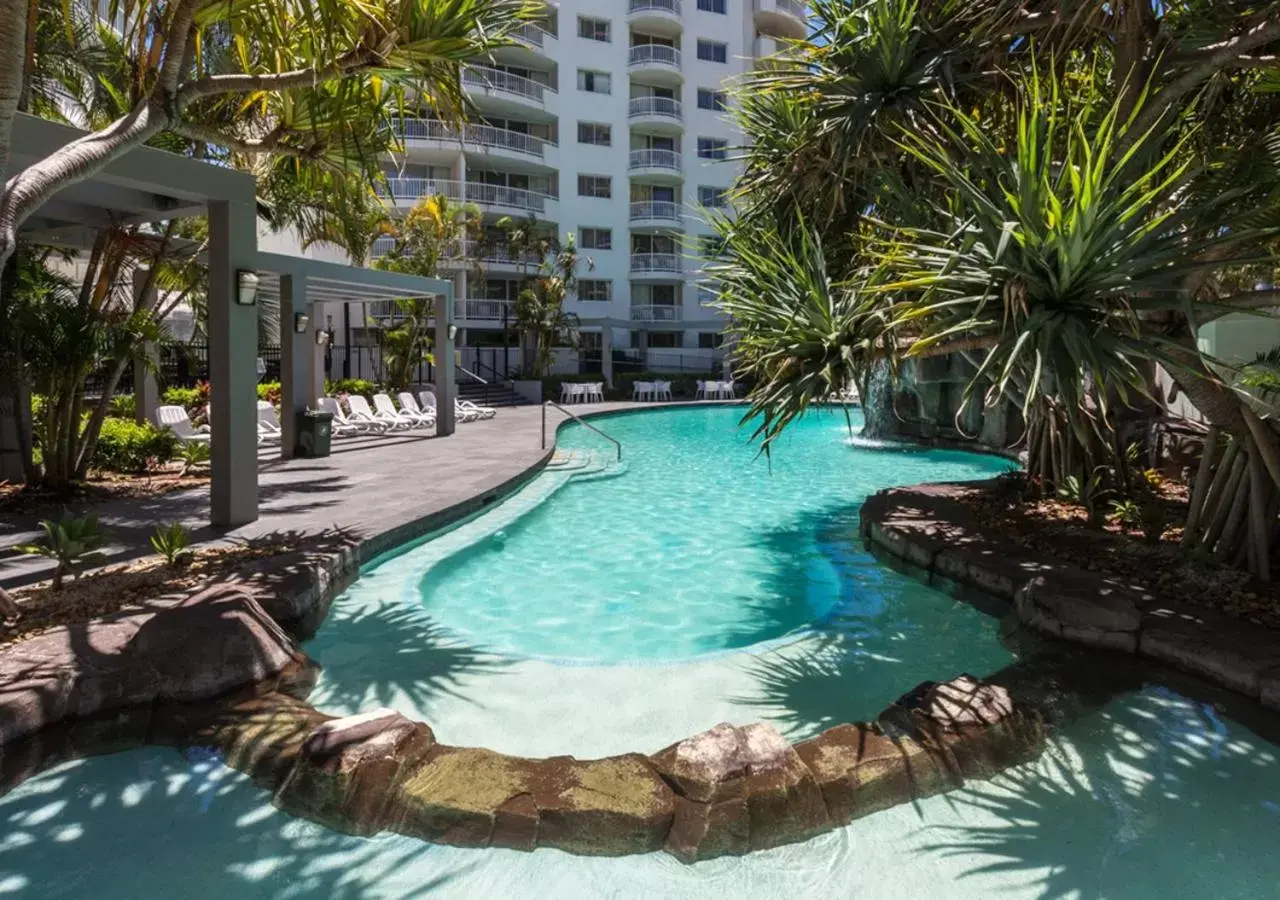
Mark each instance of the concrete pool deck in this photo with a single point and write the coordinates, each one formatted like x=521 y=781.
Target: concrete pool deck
x=383 y=491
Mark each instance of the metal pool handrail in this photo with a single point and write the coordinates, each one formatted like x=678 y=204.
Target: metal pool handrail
x=576 y=418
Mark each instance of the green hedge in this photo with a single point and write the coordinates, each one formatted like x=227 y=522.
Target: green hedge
x=359 y=386
x=191 y=399
x=270 y=391
x=129 y=448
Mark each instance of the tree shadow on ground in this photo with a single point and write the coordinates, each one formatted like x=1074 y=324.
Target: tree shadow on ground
x=156 y=823
x=1155 y=795
x=391 y=653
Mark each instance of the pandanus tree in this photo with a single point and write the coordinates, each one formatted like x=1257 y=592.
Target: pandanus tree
x=1063 y=194
x=540 y=312
x=288 y=88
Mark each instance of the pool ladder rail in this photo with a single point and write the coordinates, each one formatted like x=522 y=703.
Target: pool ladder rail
x=579 y=419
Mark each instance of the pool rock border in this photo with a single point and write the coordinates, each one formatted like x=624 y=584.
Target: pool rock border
x=936 y=536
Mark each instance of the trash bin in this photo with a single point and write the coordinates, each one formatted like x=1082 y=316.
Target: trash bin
x=315 y=431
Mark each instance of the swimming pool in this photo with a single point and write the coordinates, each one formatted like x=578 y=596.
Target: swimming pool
x=698 y=584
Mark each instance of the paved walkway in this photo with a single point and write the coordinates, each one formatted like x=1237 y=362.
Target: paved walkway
x=369 y=486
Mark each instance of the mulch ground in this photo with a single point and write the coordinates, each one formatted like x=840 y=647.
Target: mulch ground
x=1061 y=530
x=108 y=590
x=16 y=499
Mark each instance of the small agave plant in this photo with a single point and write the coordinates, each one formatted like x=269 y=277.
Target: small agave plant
x=171 y=541
x=73 y=542
x=194 y=454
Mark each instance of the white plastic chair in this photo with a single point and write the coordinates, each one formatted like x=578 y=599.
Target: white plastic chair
x=409 y=407
x=642 y=390
x=342 y=426
x=175 y=418
x=595 y=392
x=730 y=389
x=566 y=391
x=662 y=390
x=361 y=411
x=701 y=392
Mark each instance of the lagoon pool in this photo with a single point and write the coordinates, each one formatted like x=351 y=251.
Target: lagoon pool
x=623 y=609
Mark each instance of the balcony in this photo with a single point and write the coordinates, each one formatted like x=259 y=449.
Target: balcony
x=665 y=264
x=782 y=18
x=657 y=16
x=662 y=113
x=504 y=199
x=656 y=61
x=470 y=310
x=656 y=313
x=486 y=137
x=503 y=85
x=411 y=190
x=655 y=213
x=658 y=165
x=532 y=36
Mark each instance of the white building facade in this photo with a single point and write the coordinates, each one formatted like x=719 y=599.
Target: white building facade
x=607 y=121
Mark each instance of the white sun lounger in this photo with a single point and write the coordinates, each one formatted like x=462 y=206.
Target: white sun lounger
x=175 y=419
x=428 y=399
x=268 y=425
x=363 y=412
x=342 y=426
x=409 y=407
x=386 y=409
x=480 y=412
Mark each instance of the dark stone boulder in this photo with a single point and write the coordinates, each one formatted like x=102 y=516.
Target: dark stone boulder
x=1082 y=607
x=141 y=656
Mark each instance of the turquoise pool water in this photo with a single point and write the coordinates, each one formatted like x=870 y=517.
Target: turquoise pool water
x=699 y=586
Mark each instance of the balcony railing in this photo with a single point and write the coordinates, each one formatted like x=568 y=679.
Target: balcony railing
x=664 y=107
x=492 y=79
x=459 y=253
x=667 y=6
x=655 y=209
x=655 y=262
x=654 y=55
x=656 y=313
x=655 y=159
x=486 y=136
x=415 y=188
x=499 y=195
x=487 y=310
x=531 y=35
x=473 y=192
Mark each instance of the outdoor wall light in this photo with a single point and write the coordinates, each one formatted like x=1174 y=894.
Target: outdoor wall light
x=246 y=287
x=453 y=331
x=300 y=322
x=322 y=337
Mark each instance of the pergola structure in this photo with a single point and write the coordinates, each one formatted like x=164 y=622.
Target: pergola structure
x=149 y=185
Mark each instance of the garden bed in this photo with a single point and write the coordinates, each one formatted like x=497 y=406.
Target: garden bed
x=17 y=499
x=1161 y=567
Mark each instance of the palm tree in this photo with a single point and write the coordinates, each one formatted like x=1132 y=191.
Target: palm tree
x=540 y=312
x=1062 y=196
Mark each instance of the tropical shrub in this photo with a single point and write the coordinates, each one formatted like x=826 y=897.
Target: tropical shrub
x=125 y=446
x=360 y=386
x=193 y=454
x=123 y=406
x=192 y=399
x=270 y=391
x=72 y=542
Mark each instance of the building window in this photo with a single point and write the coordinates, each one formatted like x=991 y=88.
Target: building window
x=597 y=239
x=595 y=186
x=710 y=340
x=706 y=294
x=713 y=100
x=712 y=148
x=713 y=51
x=713 y=197
x=665 y=340
x=715 y=6
x=595 y=82
x=593 y=29
x=595 y=133
x=711 y=246
x=594 y=289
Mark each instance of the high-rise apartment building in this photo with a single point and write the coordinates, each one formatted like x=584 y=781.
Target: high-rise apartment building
x=607 y=120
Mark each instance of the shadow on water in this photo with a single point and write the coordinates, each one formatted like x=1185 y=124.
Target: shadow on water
x=388 y=653
x=1156 y=795
x=88 y=830
x=871 y=633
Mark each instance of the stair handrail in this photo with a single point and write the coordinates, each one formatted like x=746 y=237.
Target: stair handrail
x=473 y=375
x=610 y=438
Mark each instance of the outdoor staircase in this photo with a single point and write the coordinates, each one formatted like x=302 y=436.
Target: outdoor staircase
x=492 y=394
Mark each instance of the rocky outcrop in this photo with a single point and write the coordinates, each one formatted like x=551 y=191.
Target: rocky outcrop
x=929 y=528
x=182 y=650
x=730 y=790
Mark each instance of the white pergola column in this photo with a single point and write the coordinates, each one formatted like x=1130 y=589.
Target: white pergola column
x=445 y=386
x=233 y=350
x=146 y=392
x=296 y=360
x=606 y=354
